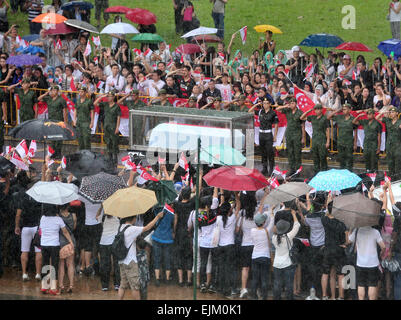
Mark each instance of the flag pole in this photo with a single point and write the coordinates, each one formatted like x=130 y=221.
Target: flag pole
x=196 y=220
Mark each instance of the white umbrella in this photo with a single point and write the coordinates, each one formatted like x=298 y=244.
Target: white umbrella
x=54 y=192
x=199 y=31
x=119 y=27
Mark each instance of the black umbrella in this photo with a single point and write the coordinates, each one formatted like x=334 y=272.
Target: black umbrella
x=86 y=163
x=43 y=130
x=6 y=165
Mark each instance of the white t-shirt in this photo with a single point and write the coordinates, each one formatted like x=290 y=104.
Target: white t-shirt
x=376 y=99
x=50 y=227
x=90 y=212
x=341 y=68
x=247 y=225
x=226 y=232
x=282 y=255
x=395 y=16
x=130 y=236
x=110 y=229
x=117 y=82
x=225 y=90
x=260 y=243
x=149 y=84
x=366 y=246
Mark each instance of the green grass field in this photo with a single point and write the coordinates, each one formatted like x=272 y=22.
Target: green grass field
x=296 y=18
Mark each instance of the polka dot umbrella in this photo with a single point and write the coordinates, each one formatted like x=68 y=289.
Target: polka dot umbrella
x=99 y=187
x=334 y=180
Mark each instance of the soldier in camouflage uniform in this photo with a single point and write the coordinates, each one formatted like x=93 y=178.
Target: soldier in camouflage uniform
x=346 y=134
x=237 y=105
x=101 y=6
x=27 y=99
x=112 y=114
x=320 y=137
x=57 y=109
x=371 y=143
x=393 y=141
x=294 y=134
x=83 y=119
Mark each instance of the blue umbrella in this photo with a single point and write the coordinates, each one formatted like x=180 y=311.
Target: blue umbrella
x=334 y=180
x=81 y=4
x=391 y=45
x=23 y=60
x=31 y=37
x=30 y=50
x=323 y=40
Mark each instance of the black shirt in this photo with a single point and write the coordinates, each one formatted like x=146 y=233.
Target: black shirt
x=185 y=87
x=208 y=93
x=31 y=210
x=183 y=210
x=174 y=90
x=334 y=232
x=267 y=119
x=397 y=228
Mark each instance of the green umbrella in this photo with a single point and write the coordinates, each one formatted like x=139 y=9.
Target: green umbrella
x=222 y=155
x=147 y=38
x=164 y=190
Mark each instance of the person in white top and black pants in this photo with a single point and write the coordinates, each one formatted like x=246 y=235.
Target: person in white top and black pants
x=283 y=267
x=394 y=10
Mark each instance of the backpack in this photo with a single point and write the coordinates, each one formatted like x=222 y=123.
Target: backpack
x=118 y=248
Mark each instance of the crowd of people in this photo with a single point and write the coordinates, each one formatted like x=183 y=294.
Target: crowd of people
x=245 y=246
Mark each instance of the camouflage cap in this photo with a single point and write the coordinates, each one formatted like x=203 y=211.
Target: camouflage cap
x=393 y=109
x=192 y=99
x=242 y=97
x=26 y=80
x=162 y=91
x=135 y=91
x=217 y=99
x=292 y=99
x=370 y=111
x=318 y=106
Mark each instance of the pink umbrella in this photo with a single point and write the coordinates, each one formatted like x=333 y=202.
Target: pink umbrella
x=61 y=28
x=141 y=16
x=189 y=48
x=117 y=9
x=354 y=46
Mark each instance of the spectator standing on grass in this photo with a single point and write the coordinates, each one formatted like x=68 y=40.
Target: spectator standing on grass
x=34 y=8
x=394 y=15
x=218 y=16
x=101 y=6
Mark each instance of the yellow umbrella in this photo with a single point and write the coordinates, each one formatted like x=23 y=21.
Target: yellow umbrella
x=129 y=202
x=267 y=27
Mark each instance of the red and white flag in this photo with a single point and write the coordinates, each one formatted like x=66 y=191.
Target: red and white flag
x=128 y=164
x=63 y=162
x=386 y=177
x=99 y=84
x=88 y=49
x=72 y=85
x=309 y=70
x=138 y=52
x=50 y=151
x=96 y=60
x=32 y=149
x=243 y=32
x=372 y=176
x=278 y=172
x=22 y=149
x=182 y=59
x=144 y=175
x=168 y=209
x=299 y=170
x=96 y=41
x=273 y=183
x=183 y=162
x=148 y=53
x=70 y=105
x=9 y=149
x=355 y=75
x=170 y=64
x=58 y=44
x=223 y=57
x=19 y=163
x=364 y=188
x=161 y=160
x=304 y=103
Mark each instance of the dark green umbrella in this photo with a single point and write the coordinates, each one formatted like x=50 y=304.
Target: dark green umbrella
x=165 y=191
x=147 y=38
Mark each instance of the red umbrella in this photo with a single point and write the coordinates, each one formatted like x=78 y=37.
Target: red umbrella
x=206 y=38
x=189 y=48
x=141 y=16
x=62 y=28
x=354 y=46
x=236 y=178
x=117 y=9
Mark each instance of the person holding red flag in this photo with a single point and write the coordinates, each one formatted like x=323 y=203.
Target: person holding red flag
x=320 y=137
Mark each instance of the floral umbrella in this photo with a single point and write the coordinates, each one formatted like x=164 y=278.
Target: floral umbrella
x=334 y=180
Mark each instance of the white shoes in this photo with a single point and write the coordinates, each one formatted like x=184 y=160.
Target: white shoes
x=244 y=293
x=25 y=277
x=38 y=277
